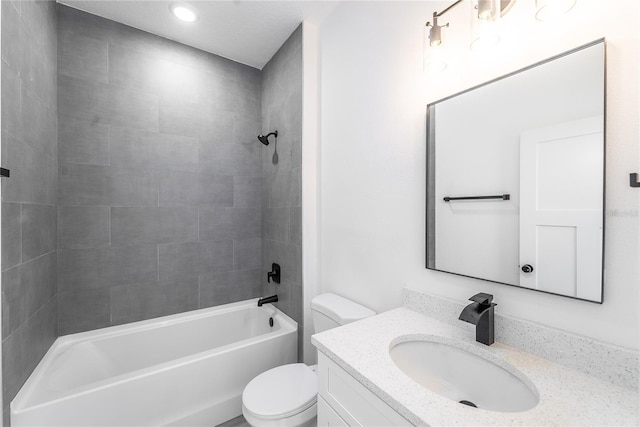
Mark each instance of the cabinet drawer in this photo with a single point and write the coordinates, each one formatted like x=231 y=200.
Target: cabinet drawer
x=352 y=401
x=327 y=417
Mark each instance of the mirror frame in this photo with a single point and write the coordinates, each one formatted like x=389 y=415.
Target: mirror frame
x=431 y=165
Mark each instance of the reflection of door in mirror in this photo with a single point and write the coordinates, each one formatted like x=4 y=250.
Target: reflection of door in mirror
x=561 y=208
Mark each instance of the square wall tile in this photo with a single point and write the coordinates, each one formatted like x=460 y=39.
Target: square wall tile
x=247 y=191
x=180 y=260
x=132 y=108
x=107 y=186
x=82 y=57
x=130 y=303
x=83 y=227
x=11 y=235
x=227 y=287
x=83 y=100
x=23 y=349
x=81 y=141
x=276 y=224
x=80 y=269
x=84 y=310
x=29 y=167
x=38 y=230
x=247 y=253
x=145 y=225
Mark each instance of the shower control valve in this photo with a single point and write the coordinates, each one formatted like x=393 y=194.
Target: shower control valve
x=274 y=273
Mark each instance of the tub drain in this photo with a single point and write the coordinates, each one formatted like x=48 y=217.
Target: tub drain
x=466 y=402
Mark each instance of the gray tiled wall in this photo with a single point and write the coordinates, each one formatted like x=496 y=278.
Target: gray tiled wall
x=29 y=150
x=159 y=201
x=137 y=186
x=281 y=191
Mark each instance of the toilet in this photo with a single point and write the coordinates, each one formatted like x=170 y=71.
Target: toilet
x=286 y=395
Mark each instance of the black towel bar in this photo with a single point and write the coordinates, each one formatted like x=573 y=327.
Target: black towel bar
x=501 y=197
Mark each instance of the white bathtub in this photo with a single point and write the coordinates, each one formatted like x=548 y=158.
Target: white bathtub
x=184 y=369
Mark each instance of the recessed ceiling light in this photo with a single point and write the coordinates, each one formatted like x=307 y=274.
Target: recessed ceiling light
x=183 y=12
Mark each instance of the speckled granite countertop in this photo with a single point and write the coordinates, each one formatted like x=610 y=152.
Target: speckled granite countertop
x=567 y=397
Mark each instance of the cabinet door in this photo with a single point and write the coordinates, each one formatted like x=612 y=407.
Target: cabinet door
x=351 y=401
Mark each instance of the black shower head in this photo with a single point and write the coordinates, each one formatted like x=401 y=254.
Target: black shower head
x=265 y=138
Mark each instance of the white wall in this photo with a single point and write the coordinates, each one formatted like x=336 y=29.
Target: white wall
x=310 y=185
x=373 y=95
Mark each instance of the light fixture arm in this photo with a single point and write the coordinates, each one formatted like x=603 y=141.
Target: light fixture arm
x=435 y=21
x=436 y=15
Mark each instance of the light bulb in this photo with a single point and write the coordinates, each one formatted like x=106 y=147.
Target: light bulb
x=488 y=10
x=432 y=57
x=436 y=61
x=183 y=13
x=485 y=19
x=484 y=36
x=547 y=10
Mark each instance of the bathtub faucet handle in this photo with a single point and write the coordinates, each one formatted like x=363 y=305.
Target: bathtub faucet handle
x=274 y=273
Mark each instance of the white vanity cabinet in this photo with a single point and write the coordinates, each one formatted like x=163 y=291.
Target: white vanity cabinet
x=343 y=401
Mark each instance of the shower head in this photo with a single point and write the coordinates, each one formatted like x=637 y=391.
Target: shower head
x=265 y=138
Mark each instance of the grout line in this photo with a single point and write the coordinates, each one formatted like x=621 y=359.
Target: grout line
x=108 y=145
x=233 y=254
x=33 y=259
x=20 y=218
x=199 y=298
x=30 y=203
x=110 y=207
x=111 y=306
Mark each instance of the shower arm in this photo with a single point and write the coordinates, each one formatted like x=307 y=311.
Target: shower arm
x=265 y=138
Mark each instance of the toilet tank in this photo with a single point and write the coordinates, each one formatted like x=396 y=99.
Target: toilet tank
x=331 y=310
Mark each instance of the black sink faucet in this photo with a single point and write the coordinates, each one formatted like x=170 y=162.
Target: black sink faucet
x=480 y=313
x=266 y=300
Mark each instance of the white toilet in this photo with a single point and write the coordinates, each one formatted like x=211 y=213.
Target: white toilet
x=286 y=395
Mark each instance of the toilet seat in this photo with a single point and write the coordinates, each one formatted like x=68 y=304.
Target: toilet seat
x=281 y=392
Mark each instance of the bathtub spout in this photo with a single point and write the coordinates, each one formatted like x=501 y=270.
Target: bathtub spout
x=266 y=300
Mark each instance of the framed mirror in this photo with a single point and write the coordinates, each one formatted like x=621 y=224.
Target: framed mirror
x=515 y=177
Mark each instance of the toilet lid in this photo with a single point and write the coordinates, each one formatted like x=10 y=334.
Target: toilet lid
x=281 y=392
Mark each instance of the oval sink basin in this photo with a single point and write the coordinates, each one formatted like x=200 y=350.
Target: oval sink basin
x=463 y=376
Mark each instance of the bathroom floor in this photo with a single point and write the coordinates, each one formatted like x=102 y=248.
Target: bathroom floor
x=236 y=422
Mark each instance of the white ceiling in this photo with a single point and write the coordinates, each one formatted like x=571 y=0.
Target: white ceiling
x=250 y=32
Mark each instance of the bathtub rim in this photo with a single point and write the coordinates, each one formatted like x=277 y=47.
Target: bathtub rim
x=21 y=400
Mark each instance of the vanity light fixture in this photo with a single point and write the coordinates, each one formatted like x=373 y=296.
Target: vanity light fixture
x=485 y=18
x=183 y=12
x=435 y=30
x=433 y=57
